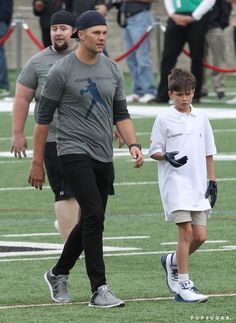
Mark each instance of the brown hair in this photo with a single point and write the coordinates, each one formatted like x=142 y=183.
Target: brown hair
x=181 y=80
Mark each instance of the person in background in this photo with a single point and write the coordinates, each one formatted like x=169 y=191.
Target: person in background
x=233 y=20
x=28 y=86
x=233 y=23
x=87 y=89
x=182 y=141
x=218 y=20
x=6 y=11
x=44 y=9
x=79 y=6
x=135 y=17
x=187 y=23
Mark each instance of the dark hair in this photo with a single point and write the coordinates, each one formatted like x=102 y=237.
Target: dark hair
x=181 y=80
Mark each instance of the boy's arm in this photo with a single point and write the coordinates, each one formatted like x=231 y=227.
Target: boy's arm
x=158 y=156
x=212 y=185
x=210 y=168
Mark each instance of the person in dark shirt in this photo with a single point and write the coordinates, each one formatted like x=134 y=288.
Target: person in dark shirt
x=6 y=10
x=44 y=10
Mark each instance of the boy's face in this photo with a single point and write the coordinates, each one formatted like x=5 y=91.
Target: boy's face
x=182 y=99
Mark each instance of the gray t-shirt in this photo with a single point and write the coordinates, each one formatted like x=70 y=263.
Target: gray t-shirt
x=85 y=96
x=33 y=75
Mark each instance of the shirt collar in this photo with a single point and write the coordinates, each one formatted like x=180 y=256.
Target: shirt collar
x=178 y=114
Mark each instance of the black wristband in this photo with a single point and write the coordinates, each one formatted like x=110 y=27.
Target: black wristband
x=135 y=145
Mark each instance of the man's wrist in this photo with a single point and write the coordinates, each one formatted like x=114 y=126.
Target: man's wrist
x=135 y=145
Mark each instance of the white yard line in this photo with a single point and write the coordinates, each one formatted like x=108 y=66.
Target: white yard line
x=144 y=299
x=117 y=254
x=26 y=188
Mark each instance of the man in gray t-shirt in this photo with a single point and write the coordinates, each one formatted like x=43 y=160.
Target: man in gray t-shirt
x=87 y=89
x=29 y=85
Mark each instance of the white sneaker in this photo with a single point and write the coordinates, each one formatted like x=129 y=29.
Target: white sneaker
x=187 y=292
x=132 y=98
x=148 y=97
x=232 y=101
x=171 y=272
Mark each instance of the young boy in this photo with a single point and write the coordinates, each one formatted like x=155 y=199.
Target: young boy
x=183 y=143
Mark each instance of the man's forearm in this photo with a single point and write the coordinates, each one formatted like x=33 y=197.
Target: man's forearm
x=126 y=130
x=40 y=136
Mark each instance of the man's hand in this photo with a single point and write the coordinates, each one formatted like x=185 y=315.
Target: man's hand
x=117 y=136
x=19 y=146
x=36 y=176
x=170 y=157
x=137 y=154
x=212 y=192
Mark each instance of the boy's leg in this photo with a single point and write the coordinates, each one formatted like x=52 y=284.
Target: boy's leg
x=199 y=237
x=182 y=250
x=191 y=236
x=199 y=220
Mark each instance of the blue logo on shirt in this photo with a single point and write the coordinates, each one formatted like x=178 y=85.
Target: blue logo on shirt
x=96 y=97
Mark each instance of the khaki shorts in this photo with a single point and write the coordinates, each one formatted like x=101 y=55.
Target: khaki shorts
x=196 y=217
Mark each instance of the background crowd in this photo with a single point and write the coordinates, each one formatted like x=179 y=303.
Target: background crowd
x=134 y=18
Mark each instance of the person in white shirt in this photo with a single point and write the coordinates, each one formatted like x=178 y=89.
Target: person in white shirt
x=182 y=141
x=187 y=23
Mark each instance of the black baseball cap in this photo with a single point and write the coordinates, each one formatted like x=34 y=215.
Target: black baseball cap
x=87 y=19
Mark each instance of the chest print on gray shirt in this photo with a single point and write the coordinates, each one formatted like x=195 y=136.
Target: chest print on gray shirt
x=95 y=94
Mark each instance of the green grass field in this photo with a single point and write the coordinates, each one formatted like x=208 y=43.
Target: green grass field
x=135 y=224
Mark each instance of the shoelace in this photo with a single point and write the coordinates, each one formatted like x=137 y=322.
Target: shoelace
x=61 y=283
x=188 y=285
x=104 y=293
x=174 y=273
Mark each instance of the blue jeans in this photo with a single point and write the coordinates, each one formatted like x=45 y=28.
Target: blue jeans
x=139 y=62
x=3 y=63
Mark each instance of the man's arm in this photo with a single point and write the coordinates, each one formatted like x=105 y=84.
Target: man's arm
x=126 y=130
x=37 y=173
x=23 y=98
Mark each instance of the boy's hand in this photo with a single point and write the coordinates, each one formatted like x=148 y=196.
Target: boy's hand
x=170 y=157
x=212 y=192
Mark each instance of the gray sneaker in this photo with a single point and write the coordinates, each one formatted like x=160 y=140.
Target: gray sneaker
x=58 y=286
x=104 y=297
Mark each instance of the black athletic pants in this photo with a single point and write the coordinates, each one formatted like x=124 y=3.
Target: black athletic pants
x=174 y=41
x=90 y=182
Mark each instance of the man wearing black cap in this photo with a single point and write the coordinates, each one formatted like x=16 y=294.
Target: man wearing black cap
x=29 y=86
x=88 y=89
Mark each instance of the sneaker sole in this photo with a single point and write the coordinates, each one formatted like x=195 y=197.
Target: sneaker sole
x=163 y=262
x=121 y=304
x=178 y=298
x=51 y=291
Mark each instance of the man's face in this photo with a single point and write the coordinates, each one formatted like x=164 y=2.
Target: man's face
x=93 y=38
x=60 y=36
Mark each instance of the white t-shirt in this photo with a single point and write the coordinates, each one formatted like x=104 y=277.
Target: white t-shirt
x=191 y=134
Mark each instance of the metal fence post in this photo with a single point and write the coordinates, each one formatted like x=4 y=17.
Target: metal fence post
x=158 y=37
x=19 y=22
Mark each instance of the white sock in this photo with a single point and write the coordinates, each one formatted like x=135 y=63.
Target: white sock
x=183 y=277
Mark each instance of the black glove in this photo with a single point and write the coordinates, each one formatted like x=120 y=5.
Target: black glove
x=212 y=192
x=170 y=157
